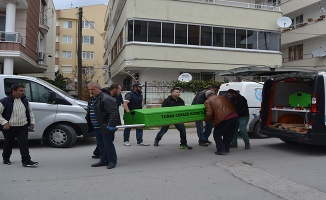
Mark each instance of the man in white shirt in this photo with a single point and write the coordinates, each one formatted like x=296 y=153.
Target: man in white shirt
x=16 y=116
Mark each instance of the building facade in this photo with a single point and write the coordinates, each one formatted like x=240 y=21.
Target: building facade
x=25 y=35
x=303 y=42
x=92 y=44
x=157 y=40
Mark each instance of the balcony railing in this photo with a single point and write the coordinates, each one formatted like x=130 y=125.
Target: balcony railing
x=11 y=37
x=43 y=19
x=238 y=4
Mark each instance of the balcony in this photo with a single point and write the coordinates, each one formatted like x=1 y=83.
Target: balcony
x=12 y=37
x=21 y=4
x=43 y=23
x=289 y=6
x=304 y=31
x=57 y=30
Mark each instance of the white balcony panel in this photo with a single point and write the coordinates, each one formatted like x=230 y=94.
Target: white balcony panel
x=294 y=5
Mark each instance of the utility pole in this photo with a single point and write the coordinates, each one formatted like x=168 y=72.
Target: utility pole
x=79 y=53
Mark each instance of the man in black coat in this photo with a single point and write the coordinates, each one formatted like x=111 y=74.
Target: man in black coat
x=174 y=100
x=103 y=116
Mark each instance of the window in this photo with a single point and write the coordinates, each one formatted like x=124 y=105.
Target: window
x=193 y=35
x=67 y=24
x=299 y=19
x=154 y=32
x=241 y=38
x=263 y=38
x=180 y=33
x=130 y=30
x=33 y=91
x=88 y=25
x=167 y=33
x=66 y=54
x=296 y=52
x=140 y=31
x=218 y=37
x=206 y=36
x=66 y=69
x=251 y=39
x=230 y=37
x=2 y=22
x=67 y=39
x=88 y=55
x=88 y=39
x=88 y=70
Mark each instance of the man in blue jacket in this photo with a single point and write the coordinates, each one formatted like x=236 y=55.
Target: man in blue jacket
x=174 y=100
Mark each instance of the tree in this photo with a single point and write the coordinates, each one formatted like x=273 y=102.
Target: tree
x=60 y=81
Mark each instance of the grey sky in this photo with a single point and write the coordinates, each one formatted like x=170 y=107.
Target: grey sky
x=67 y=4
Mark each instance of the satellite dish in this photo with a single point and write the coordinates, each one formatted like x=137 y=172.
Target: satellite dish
x=318 y=53
x=185 y=77
x=284 y=22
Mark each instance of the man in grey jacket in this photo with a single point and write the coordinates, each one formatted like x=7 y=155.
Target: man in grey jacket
x=103 y=116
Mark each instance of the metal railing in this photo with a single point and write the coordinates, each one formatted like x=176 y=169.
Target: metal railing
x=11 y=37
x=239 y=4
x=43 y=19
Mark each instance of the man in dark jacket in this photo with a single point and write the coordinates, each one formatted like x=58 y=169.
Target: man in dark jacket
x=203 y=133
x=103 y=116
x=174 y=100
x=220 y=111
x=114 y=91
x=241 y=106
x=134 y=100
x=16 y=116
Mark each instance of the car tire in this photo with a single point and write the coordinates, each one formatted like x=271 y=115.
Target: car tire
x=60 y=136
x=256 y=133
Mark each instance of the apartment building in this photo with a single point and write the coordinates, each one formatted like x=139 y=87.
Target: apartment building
x=92 y=44
x=25 y=37
x=157 y=40
x=303 y=42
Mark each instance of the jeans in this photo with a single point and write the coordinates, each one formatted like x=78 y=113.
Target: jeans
x=180 y=127
x=226 y=130
x=21 y=133
x=104 y=141
x=242 y=126
x=203 y=135
x=139 y=135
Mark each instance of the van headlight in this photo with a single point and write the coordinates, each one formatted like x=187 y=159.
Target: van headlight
x=83 y=106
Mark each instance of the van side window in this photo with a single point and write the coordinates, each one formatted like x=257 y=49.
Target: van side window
x=39 y=92
x=33 y=91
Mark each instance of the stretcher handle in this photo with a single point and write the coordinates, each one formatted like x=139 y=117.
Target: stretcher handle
x=131 y=126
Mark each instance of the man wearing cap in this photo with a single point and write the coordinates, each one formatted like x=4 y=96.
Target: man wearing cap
x=204 y=132
x=134 y=100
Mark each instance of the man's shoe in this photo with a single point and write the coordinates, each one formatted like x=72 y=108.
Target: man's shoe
x=95 y=156
x=126 y=143
x=185 y=147
x=208 y=142
x=233 y=145
x=6 y=162
x=98 y=164
x=29 y=163
x=220 y=153
x=156 y=142
x=111 y=165
x=202 y=143
x=247 y=145
x=143 y=144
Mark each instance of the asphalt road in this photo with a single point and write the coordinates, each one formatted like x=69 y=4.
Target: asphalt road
x=270 y=170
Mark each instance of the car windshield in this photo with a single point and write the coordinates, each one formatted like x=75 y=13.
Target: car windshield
x=56 y=88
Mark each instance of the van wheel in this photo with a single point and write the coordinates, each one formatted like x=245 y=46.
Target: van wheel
x=256 y=131
x=61 y=136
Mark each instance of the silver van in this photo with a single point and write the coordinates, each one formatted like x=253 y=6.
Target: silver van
x=59 y=117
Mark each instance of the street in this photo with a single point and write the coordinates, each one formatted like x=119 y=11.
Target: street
x=270 y=170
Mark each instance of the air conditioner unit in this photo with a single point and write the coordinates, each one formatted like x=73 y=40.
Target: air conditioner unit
x=40 y=56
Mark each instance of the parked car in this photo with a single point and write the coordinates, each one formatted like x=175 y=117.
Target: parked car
x=59 y=117
x=252 y=91
x=293 y=104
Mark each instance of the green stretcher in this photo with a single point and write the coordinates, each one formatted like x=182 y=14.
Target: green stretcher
x=163 y=116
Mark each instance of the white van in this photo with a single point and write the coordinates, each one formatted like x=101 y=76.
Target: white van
x=59 y=117
x=252 y=91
